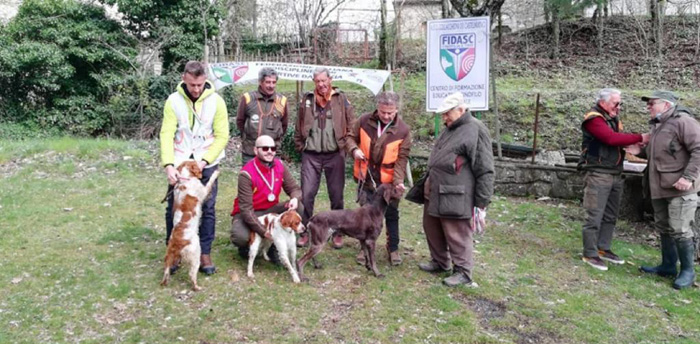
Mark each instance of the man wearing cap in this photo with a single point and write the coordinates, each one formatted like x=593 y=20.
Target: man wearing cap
x=459 y=184
x=260 y=183
x=261 y=112
x=673 y=170
x=602 y=158
x=322 y=135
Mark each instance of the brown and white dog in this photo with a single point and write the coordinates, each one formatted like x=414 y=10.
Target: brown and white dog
x=189 y=194
x=282 y=230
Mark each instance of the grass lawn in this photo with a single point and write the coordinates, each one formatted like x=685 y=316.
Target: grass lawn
x=83 y=241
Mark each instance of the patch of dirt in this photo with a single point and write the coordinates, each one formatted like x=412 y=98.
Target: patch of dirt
x=487 y=310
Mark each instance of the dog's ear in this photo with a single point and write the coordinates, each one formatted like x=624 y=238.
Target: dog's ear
x=196 y=171
x=388 y=193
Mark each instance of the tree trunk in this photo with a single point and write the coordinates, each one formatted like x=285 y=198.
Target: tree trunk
x=660 y=9
x=500 y=27
x=382 y=36
x=599 y=25
x=446 y=9
x=555 y=32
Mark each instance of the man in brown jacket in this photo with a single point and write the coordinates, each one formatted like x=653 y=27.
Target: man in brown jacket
x=673 y=170
x=460 y=179
x=262 y=112
x=322 y=135
x=259 y=188
x=384 y=142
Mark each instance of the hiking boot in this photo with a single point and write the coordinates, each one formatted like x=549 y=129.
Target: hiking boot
x=360 y=259
x=596 y=263
x=337 y=242
x=432 y=266
x=395 y=258
x=669 y=258
x=611 y=257
x=459 y=277
x=686 y=254
x=206 y=266
x=303 y=240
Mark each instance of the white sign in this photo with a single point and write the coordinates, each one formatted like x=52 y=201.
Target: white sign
x=229 y=73
x=458 y=60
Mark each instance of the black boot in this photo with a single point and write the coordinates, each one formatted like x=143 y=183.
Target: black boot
x=686 y=254
x=669 y=258
x=274 y=255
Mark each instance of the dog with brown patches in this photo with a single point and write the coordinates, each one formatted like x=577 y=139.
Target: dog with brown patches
x=188 y=194
x=282 y=229
x=363 y=224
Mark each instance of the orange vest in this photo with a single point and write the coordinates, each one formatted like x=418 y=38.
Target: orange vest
x=386 y=169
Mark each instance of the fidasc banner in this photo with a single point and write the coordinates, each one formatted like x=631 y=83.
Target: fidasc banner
x=458 y=60
x=229 y=73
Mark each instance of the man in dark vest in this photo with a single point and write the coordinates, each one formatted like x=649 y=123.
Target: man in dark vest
x=384 y=143
x=602 y=157
x=322 y=135
x=261 y=112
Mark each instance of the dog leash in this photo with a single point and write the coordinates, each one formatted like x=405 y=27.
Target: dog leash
x=362 y=182
x=171 y=191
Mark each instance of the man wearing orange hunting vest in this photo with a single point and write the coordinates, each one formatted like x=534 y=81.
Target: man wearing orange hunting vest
x=384 y=142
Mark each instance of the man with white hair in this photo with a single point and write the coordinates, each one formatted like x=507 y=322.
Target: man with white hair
x=458 y=187
x=323 y=137
x=673 y=169
x=260 y=183
x=602 y=157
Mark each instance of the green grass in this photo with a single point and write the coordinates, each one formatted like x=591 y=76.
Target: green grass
x=82 y=241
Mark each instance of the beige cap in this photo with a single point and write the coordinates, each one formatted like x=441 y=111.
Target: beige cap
x=450 y=102
x=264 y=141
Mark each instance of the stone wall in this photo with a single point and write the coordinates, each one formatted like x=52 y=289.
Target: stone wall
x=519 y=178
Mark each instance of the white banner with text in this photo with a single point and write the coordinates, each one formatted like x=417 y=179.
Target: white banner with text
x=229 y=73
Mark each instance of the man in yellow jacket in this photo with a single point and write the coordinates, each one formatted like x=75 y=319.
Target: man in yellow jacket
x=195 y=126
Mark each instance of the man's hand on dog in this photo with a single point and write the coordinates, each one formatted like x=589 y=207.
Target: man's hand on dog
x=172 y=173
x=292 y=204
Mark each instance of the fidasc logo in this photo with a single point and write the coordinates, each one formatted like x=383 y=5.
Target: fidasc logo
x=457 y=54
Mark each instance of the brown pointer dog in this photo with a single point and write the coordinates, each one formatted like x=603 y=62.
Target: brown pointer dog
x=364 y=224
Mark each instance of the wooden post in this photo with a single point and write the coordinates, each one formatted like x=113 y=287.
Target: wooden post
x=537 y=121
x=495 y=102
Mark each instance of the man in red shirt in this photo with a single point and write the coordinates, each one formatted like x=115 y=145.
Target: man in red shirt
x=602 y=157
x=260 y=184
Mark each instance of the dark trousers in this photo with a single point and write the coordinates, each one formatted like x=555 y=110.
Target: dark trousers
x=601 y=199
x=333 y=166
x=391 y=217
x=207 y=226
x=450 y=241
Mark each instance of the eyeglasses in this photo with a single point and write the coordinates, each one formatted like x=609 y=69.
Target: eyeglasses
x=265 y=149
x=617 y=105
x=653 y=102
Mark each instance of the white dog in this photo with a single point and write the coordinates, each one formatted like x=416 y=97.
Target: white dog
x=189 y=194
x=282 y=229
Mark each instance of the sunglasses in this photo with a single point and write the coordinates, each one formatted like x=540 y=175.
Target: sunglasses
x=265 y=149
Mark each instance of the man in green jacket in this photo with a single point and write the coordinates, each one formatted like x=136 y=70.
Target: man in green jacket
x=459 y=184
x=673 y=170
x=195 y=126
